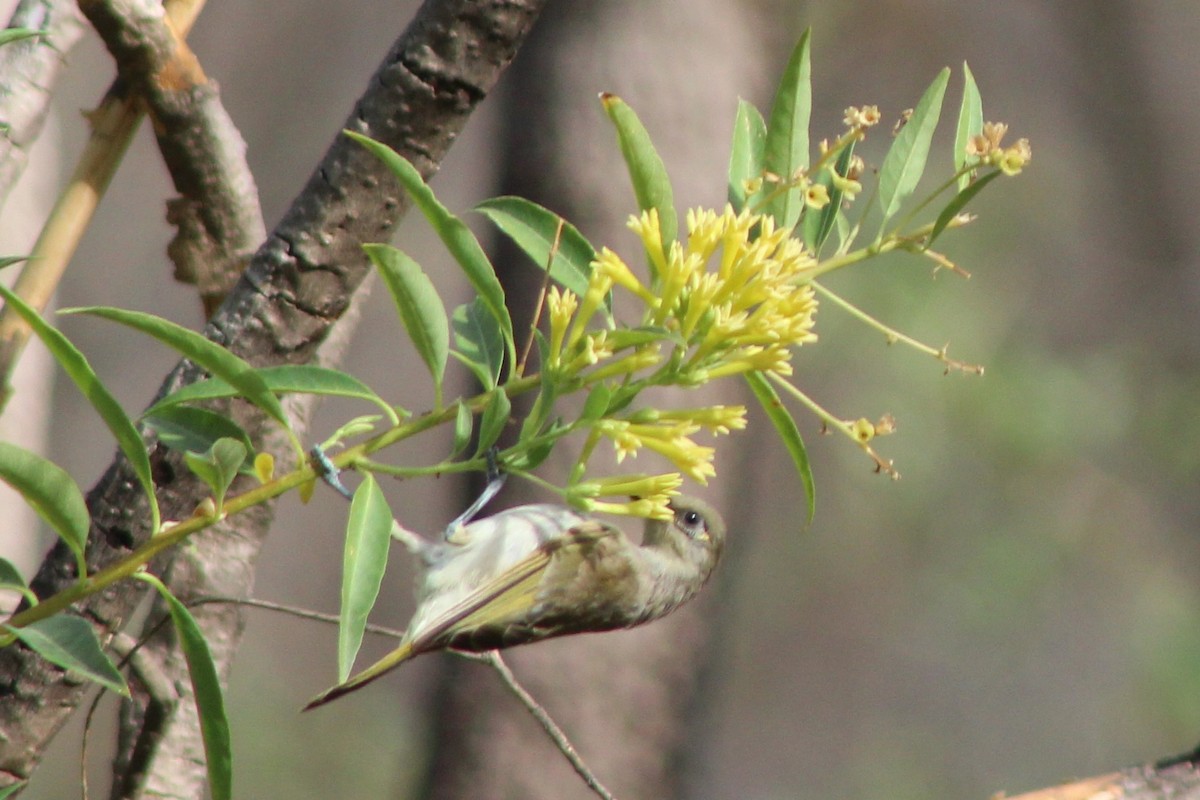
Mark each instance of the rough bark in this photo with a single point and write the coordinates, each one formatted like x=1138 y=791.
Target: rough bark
x=297 y=286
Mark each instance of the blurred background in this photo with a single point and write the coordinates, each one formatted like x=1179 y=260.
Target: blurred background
x=1023 y=607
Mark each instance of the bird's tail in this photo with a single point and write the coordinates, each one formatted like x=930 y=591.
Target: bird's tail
x=379 y=668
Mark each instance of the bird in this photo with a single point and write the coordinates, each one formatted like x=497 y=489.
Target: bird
x=538 y=571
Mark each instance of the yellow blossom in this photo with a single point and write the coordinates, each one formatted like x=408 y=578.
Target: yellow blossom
x=657 y=507
x=561 y=307
x=816 y=196
x=634 y=485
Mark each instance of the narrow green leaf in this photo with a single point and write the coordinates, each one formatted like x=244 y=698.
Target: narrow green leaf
x=84 y=377
x=786 y=146
x=206 y=686
x=185 y=428
x=957 y=204
x=905 y=161
x=9 y=791
x=597 y=403
x=453 y=232
x=206 y=354
x=284 y=379
x=419 y=306
x=218 y=466
x=368 y=534
x=768 y=398
x=493 y=420
x=970 y=123
x=10 y=35
x=745 y=153
x=651 y=184
x=479 y=342
x=464 y=424
x=818 y=225
x=10 y=576
x=532 y=228
x=71 y=643
x=11 y=579
x=49 y=491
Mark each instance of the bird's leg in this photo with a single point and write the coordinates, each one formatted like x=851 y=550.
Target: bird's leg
x=328 y=472
x=495 y=482
x=414 y=542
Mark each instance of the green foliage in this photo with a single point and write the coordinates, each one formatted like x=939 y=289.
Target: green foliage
x=455 y=235
x=217 y=467
x=536 y=230
x=368 y=534
x=420 y=308
x=651 y=185
x=785 y=151
x=206 y=686
x=732 y=295
x=80 y=371
x=51 y=492
x=284 y=379
x=905 y=162
x=71 y=643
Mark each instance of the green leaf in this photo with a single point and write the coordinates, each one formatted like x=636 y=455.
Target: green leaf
x=49 y=491
x=768 y=398
x=479 y=342
x=453 y=232
x=206 y=686
x=10 y=35
x=206 y=354
x=970 y=123
x=493 y=420
x=71 y=643
x=597 y=403
x=464 y=424
x=746 y=153
x=532 y=228
x=651 y=184
x=284 y=379
x=419 y=306
x=957 y=204
x=84 y=377
x=818 y=225
x=905 y=161
x=10 y=576
x=368 y=534
x=786 y=146
x=184 y=429
x=9 y=791
x=218 y=466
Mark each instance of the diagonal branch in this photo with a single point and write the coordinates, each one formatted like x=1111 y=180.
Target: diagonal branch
x=296 y=287
x=28 y=72
x=217 y=214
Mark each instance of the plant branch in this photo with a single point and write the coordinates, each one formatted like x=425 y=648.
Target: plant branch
x=557 y=735
x=298 y=284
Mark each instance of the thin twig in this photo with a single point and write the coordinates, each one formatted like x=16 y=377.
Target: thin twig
x=302 y=613
x=492 y=658
x=541 y=300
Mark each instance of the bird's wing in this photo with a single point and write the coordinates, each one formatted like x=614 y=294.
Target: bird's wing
x=508 y=597
x=376 y=670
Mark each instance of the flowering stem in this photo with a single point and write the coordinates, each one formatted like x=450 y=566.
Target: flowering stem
x=839 y=425
x=894 y=335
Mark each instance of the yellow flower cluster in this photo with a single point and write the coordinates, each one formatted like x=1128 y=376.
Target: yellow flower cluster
x=731 y=298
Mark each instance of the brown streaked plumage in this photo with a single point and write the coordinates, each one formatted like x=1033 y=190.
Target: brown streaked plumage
x=538 y=571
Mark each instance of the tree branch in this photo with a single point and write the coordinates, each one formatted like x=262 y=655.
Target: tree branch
x=28 y=72
x=296 y=287
x=218 y=216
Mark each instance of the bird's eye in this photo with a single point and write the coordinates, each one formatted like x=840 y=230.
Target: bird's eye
x=691 y=522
